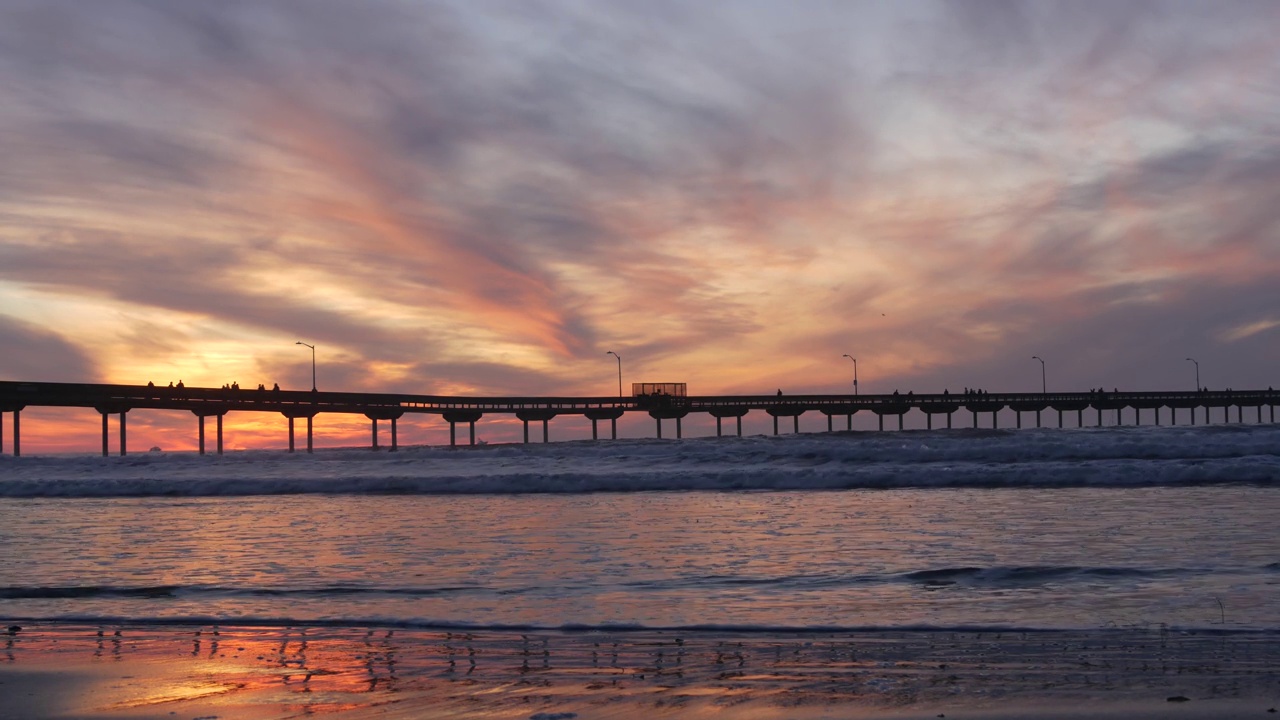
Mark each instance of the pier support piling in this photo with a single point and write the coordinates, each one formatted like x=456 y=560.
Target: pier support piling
x=395 y=439
x=374 y=446
x=290 y=434
x=775 y=425
x=740 y=422
x=104 y=434
x=718 y=432
x=679 y=431
x=308 y=434
x=17 y=433
x=795 y=424
x=199 y=421
x=124 y=446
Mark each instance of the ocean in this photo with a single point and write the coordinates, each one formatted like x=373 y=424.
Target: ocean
x=1030 y=529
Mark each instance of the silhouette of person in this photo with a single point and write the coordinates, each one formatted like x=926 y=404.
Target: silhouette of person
x=180 y=384
x=275 y=387
x=779 y=391
x=150 y=384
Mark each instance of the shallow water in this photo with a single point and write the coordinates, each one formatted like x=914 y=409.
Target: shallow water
x=1080 y=557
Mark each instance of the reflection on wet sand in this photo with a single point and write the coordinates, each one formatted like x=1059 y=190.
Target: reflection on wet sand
x=286 y=671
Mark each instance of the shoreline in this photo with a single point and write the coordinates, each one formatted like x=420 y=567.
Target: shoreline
x=61 y=671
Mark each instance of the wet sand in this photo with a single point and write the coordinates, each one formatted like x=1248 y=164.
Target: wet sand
x=255 y=673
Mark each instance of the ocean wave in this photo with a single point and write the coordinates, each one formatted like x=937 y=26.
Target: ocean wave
x=985 y=577
x=91 y=621
x=1110 y=457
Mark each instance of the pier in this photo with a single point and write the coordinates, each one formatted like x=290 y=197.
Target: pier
x=1089 y=408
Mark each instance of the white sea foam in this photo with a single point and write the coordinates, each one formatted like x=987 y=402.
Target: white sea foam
x=1120 y=457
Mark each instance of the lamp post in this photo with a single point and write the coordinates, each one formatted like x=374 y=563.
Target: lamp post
x=855 y=372
x=313 y=365
x=619 y=357
x=1197 y=373
x=1043 y=385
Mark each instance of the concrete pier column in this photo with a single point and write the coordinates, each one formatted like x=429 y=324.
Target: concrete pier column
x=740 y=422
x=1099 y=417
x=1193 y=415
x=1 y=432
x=374 y=446
x=948 y=421
x=218 y=426
x=679 y=431
x=928 y=421
x=594 y=434
x=828 y=423
x=1206 y=415
x=659 y=423
x=1119 y=417
x=17 y=433
x=453 y=433
x=775 y=424
x=795 y=424
x=526 y=431
x=200 y=421
x=1080 y=418
x=1018 y=414
x=1157 y=411
x=975 y=419
x=104 y=434
x=1239 y=414
x=879 y=419
x=546 y=436
x=848 y=421
x=613 y=424
x=309 y=434
x=900 y=416
x=718 y=432
x=124 y=443
x=1059 y=418
x=1037 y=418
x=395 y=439
x=290 y=434
x=471 y=428
x=995 y=419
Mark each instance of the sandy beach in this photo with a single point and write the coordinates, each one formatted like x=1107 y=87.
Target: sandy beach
x=255 y=673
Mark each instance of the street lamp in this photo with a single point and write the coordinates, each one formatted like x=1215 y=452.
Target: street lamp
x=855 y=372
x=1197 y=373
x=619 y=370
x=1043 y=386
x=313 y=366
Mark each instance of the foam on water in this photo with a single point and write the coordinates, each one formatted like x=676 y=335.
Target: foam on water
x=1119 y=457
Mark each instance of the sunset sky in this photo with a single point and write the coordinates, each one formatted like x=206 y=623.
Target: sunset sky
x=486 y=197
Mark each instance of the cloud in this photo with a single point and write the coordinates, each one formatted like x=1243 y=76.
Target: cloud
x=32 y=353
